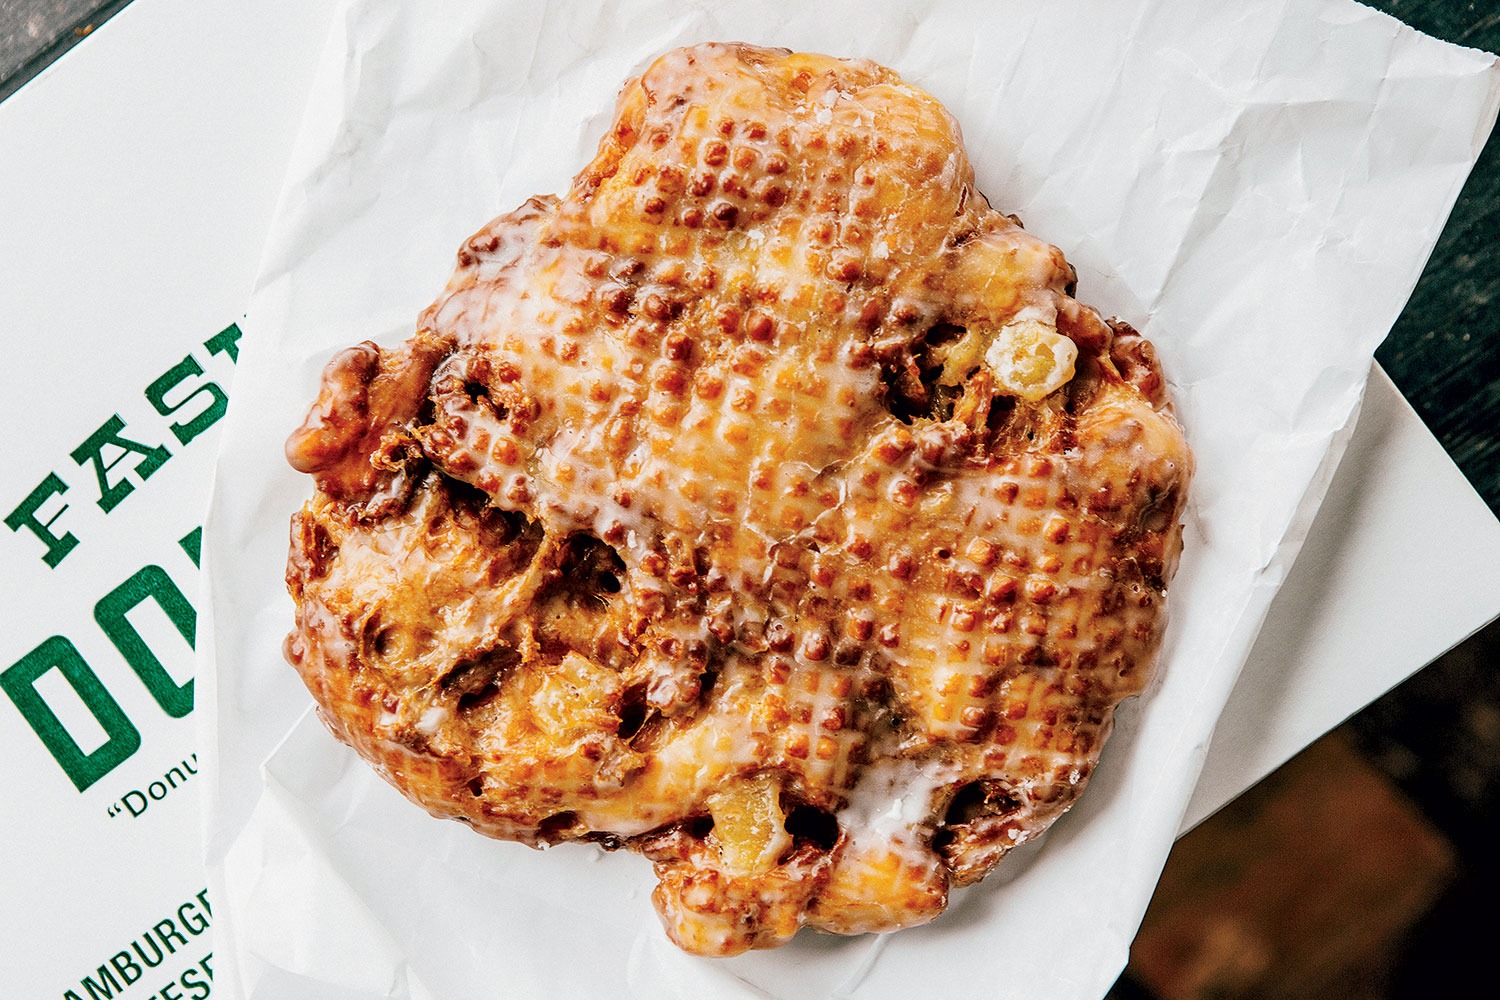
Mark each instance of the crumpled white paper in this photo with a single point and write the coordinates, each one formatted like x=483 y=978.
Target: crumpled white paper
x=1254 y=186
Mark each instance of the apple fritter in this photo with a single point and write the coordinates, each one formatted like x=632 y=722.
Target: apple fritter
x=766 y=504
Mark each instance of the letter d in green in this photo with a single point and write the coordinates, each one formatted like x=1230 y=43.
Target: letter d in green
x=19 y=681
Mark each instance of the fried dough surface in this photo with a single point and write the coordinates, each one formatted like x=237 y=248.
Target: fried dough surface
x=766 y=505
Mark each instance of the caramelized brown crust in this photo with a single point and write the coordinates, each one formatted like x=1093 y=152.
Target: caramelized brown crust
x=766 y=504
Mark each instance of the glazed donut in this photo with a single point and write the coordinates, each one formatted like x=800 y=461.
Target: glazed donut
x=766 y=505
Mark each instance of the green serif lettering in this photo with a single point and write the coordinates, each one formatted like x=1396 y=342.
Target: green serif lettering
x=216 y=405
x=19 y=682
x=25 y=516
x=91 y=452
x=154 y=583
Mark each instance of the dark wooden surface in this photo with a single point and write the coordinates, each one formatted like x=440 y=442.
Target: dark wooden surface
x=1436 y=738
x=33 y=33
x=1444 y=351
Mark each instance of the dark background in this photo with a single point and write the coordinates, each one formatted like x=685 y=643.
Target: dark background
x=1366 y=867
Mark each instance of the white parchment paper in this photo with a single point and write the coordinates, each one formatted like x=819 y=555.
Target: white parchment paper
x=1253 y=185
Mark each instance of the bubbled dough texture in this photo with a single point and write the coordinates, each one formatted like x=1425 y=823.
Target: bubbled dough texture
x=919 y=625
